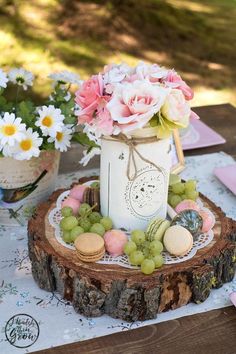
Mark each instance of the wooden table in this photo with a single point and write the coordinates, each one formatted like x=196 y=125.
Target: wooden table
x=213 y=332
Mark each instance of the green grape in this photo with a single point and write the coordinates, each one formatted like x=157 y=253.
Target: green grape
x=136 y=257
x=145 y=248
x=178 y=188
x=138 y=236
x=147 y=266
x=130 y=247
x=155 y=247
x=158 y=260
x=184 y=196
x=84 y=208
x=190 y=185
x=68 y=223
x=94 y=217
x=75 y=232
x=175 y=200
x=170 y=195
x=193 y=195
x=85 y=224
x=106 y=223
x=95 y=185
x=98 y=229
x=174 y=179
x=66 y=211
x=66 y=236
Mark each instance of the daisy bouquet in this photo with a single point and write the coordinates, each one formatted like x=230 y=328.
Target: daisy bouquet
x=122 y=99
x=26 y=128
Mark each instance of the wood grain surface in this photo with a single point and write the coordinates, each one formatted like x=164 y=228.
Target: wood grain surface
x=127 y=293
x=213 y=332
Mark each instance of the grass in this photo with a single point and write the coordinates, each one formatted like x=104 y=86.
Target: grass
x=195 y=37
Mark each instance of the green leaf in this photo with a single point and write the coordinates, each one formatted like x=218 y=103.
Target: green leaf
x=83 y=139
x=4 y=105
x=26 y=111
x=47 y=146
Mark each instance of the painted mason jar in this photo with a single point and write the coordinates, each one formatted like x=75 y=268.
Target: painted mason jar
x=24 y=184
x=134 y=178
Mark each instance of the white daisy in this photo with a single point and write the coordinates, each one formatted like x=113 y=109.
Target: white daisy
x=28 y=147
x=50 y=120
x=6 y=150
x=62 y=139
x=3 y=79
x=65 y=77
x=21 y=77
x=11 y=129
x=89 y=155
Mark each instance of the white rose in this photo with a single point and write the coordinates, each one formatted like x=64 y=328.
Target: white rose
x=176 y=109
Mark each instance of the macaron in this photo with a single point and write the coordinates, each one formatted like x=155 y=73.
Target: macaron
x=115 y=241
x=89 y=247
x=73 y=203
x=186 y=204
x=178 y=240
x=208 y=220
x=77 y=192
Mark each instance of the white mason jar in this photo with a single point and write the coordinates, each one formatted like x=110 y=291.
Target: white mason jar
x=134 y=184
x=24 y=184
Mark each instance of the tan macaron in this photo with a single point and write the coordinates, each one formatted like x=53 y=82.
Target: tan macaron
x=178 y=240
x=89 y=247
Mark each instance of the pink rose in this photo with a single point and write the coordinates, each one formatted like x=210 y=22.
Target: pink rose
x=104 y=122
x=134 y=104
x=89 y=96
x=174 y=80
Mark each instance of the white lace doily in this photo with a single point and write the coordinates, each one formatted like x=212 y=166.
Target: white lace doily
x=55 y=218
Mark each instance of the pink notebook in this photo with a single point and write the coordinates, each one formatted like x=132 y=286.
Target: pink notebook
x=227 y=175
x=199 y=135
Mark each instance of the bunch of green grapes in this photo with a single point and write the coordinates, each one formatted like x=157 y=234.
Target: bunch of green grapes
x=179 y=191
x=144 y=253
x=86 y=221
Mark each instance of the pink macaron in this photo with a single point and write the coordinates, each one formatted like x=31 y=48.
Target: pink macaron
x=208 y=220
x=77 y=192
x=187 y=204
x=115 y=241
x=73 y=203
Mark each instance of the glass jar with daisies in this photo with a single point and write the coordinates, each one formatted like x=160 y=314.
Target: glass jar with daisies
x=31 y=139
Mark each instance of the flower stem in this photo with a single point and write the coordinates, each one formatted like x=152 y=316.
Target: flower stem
x=17 y=93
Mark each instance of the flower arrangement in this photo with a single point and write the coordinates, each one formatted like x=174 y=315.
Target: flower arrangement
x=26 y=128
x=122 y=99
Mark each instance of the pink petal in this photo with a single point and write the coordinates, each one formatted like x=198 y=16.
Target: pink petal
x=232 y=297
x=194 y=115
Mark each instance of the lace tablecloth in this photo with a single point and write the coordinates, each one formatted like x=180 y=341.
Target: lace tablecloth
x=53 y=321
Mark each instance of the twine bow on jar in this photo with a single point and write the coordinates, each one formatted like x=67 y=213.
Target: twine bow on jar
x=132 y=143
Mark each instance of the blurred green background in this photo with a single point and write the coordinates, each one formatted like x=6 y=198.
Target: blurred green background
x=197 y=38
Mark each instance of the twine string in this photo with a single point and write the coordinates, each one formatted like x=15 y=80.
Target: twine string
x=132 y=143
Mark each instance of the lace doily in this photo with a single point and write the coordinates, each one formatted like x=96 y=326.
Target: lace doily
x=55 y=218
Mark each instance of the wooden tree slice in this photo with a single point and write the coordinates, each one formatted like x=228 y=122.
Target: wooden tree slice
x=95 y=289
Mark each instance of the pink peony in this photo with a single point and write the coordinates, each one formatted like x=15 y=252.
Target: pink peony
x=174 y=80
x=134 y=104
